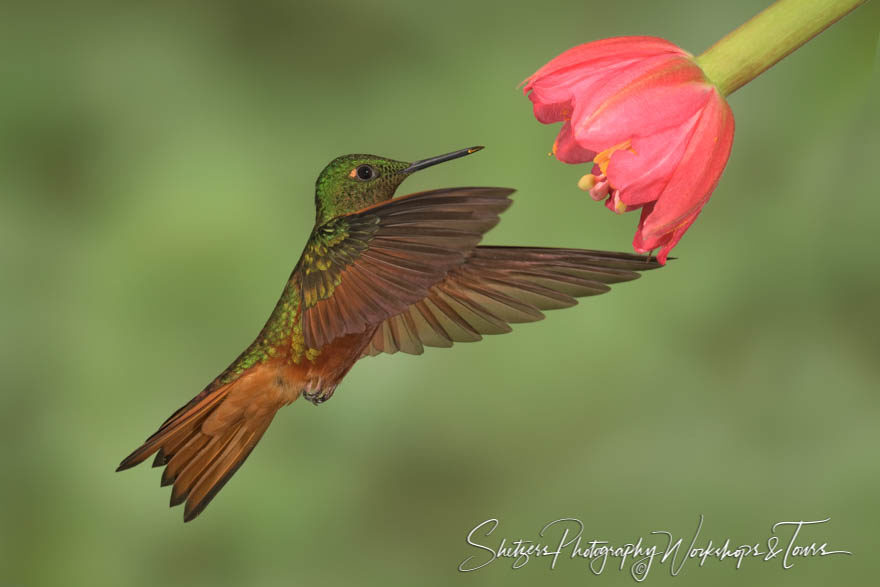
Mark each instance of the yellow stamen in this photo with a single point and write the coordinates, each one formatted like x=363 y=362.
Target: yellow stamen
x=587 y=182
x=603 y=158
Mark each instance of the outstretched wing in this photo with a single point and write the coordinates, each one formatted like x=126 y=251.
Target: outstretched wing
x=498 y=286
x=360 y=269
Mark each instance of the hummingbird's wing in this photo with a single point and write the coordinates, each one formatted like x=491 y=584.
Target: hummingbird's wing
x=497 y=286
x=362 y=268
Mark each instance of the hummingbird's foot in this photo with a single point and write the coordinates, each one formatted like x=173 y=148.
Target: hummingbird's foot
x=318 y=396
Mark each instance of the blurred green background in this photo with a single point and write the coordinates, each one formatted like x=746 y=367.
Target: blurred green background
x=158 y=163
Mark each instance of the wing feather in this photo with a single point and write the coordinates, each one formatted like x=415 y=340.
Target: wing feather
x=361 y=269
x=498 y=286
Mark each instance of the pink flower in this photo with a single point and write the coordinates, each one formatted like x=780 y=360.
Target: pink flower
x=658 y=132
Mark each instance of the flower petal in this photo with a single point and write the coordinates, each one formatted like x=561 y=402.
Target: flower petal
x=697 y=173
x=664 y=242
x=574 y=93
x=611 y=50
x=663 y=97
x=642 y=173
x=595 y=71
x=568 y=150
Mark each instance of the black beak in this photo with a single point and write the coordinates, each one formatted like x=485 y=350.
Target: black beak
x=416 y=166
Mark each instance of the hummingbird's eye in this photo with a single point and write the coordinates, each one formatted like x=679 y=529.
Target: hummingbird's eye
x=365 y=173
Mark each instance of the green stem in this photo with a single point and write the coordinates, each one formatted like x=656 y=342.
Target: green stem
x=769 y=36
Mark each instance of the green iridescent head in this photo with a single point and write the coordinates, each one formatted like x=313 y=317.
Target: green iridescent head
x=352 y=182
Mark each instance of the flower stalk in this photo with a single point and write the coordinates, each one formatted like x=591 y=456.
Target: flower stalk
x=767 y=38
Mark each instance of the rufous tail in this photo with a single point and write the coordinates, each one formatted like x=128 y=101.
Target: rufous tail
x=205 y=442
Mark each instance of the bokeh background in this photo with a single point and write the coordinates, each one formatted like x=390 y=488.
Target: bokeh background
x=158 y=163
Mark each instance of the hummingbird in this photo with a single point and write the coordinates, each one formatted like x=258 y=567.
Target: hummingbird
x=378 y=274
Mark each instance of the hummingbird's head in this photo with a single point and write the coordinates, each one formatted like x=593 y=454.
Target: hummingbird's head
x=352 y=182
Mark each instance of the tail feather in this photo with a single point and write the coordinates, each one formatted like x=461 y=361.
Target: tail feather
x=204 y=443
x=196 y=467
x=176 y=429
x=221 y=470
x=181 y=461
